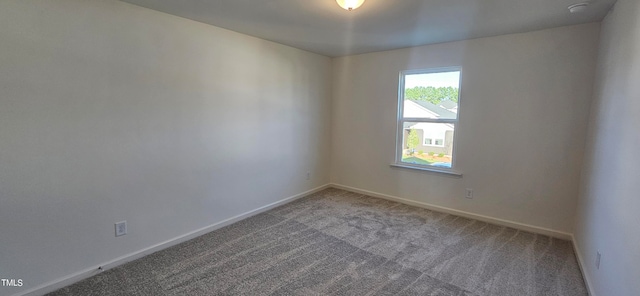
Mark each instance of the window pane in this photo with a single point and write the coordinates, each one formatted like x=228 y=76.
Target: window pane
x=431 y=95
x=415 y=149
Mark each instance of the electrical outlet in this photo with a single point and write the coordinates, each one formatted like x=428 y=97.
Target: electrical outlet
x=121 y=228
x=598 y=260
x=308 y=175
x=469 y=193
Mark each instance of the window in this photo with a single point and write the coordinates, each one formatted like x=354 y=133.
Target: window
x=428 y=110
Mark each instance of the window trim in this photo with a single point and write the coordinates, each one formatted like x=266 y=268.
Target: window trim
x=400 y=120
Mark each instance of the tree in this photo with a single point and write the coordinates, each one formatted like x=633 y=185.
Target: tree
x=412 y=140
x=431 y=94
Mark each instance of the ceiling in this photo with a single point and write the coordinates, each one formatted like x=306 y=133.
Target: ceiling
x=321 y=26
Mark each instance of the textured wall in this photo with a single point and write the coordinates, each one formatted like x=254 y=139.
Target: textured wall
x=111 y=112
x=608 y=213
x=524 y=108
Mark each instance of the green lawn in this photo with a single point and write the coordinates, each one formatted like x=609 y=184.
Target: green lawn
x=415 y=160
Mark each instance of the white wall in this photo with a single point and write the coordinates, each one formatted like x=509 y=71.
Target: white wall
x=524 y=108
x=608 y=217
x=111 y=112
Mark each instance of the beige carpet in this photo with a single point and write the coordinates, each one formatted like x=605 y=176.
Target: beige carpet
x=340 y=243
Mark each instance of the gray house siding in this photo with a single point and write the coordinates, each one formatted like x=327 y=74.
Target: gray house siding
x=446 y=150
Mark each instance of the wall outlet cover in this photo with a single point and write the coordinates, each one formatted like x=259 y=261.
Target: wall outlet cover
x=469 y=193
x=121 y=228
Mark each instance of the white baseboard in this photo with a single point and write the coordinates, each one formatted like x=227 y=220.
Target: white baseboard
x=492 y=220
x=581 y=264
x=86 y=273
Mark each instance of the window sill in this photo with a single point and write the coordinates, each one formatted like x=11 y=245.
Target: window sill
x=421 y=168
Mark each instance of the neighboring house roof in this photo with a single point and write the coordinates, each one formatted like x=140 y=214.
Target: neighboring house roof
x=449 y=104
x=439 y=111
x=428 y=125
x=428 y=110
x=410 y=124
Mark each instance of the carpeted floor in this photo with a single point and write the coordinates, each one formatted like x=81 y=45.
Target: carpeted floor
x=337 y=242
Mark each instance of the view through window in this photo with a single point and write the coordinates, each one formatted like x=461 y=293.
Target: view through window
x=428 y=115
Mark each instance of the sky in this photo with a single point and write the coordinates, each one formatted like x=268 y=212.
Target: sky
x=443 y=79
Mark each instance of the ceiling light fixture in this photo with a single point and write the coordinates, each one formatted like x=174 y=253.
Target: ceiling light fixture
x=350 y=4
x=578 y=7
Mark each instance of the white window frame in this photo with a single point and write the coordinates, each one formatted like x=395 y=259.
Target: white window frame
x=401 y=120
